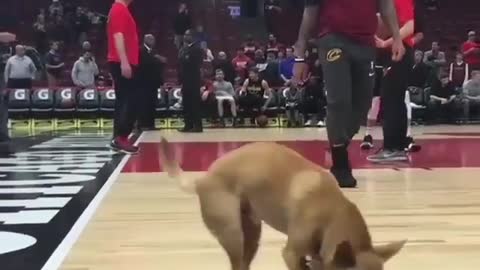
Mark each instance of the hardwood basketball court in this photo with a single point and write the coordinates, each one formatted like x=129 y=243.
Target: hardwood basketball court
x=145 y=222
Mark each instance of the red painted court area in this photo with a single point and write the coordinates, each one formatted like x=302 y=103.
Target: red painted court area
x=197 y=156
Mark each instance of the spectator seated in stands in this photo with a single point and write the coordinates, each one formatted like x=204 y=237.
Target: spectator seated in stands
x=286 y=66
x=255 y=95
x=259 y=60
x=471 y=51
x=241 y=63
x=273 y=46
x=421 y=72
x=250 y=47
x=224 y=93
x=84 y=71
x=226 y=66
x=281 y=56
x=313 y=103
x=471 y=95
x=459 y=71
x=435 y=58
x=292 y=105
x=207 y=53
x=441 y=104
x=271 y=73
x=20 y=70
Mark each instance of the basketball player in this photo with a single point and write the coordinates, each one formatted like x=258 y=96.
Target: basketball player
x=347 y=51
x=394 y=87
x=372 y=115
x=380 y=72
x=419 y=26
x=123 y=59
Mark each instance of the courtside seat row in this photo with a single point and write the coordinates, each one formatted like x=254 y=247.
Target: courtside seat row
x=44 y=101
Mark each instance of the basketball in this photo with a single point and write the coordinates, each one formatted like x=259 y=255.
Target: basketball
x=262 y=120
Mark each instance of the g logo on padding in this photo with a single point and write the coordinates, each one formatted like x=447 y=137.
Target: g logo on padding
x=334 y=54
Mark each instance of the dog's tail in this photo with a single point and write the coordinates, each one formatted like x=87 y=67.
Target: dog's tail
x=173 y=169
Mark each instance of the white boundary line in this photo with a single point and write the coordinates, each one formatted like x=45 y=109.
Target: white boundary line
x=61 y=252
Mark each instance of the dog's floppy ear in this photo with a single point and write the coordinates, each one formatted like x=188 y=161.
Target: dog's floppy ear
x=389 y=250
x=344 y=255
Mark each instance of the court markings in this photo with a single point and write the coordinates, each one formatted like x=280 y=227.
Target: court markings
x=67 y=243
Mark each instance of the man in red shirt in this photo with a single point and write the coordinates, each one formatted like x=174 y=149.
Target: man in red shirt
x=394 y=86
x=242 y=63
x=123 y=58
x=347 y=52
x=471 y=51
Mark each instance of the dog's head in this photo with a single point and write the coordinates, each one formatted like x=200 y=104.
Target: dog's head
x=346 y=259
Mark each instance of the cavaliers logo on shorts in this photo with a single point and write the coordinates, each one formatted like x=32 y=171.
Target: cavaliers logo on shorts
x=334 y=54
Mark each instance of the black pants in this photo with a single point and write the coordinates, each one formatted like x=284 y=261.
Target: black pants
x=251 y=104
x=394 y=86
x=19 y=83
x=126 y=96
x=348 y=68
x=192 y=109
x=146 y=110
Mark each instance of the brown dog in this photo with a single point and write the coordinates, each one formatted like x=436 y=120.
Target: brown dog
x=272 y=183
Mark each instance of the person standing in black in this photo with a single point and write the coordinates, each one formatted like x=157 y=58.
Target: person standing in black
x=271 y=9
x=150 y=79
x=181 y=23
x=191 y=59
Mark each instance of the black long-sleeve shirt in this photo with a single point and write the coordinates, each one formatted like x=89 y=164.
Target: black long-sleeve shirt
x=191 y=60
x=149 y=69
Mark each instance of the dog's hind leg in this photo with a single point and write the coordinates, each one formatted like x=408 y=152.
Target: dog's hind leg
x=252 y=230
x=221 y=214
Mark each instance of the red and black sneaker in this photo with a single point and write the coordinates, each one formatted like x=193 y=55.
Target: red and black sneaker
x=123 y=145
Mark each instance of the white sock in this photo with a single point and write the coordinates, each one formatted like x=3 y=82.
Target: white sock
x=409 y=113
x=409 y=127
x=372 y=115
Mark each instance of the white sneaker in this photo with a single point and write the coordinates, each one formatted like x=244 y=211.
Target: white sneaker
x=308 y=123
x=321 y=124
